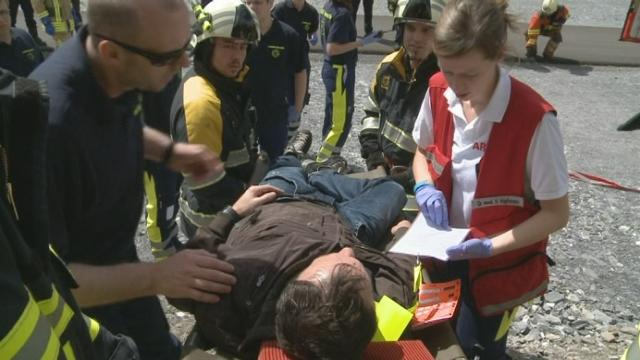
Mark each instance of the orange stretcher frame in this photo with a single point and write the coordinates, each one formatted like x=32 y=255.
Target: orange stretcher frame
x=387 y=350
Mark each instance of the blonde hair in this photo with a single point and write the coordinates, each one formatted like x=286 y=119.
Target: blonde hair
x=466 y=25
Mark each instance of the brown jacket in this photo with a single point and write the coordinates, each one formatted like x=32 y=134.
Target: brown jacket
x=267 y=249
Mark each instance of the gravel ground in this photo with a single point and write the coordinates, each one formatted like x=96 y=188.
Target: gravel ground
x=592 y=307
x=603 y=13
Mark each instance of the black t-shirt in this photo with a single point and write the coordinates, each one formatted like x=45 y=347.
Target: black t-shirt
x=95 y=161
x=337 y=26
x=304 y=22
x=22 y=56
x=272 y=65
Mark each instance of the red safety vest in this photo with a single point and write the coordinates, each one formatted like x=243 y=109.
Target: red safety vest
x=500 y=282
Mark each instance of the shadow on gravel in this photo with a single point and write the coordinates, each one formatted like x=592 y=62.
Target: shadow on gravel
x=543 y=66
x=515 y=355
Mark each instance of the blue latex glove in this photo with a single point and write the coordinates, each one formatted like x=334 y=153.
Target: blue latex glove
x=293 y=116
x=77 y=19
x=313 y=39
x=432 y=204
x=48 y=25
x=471 y=249
x=373 y=37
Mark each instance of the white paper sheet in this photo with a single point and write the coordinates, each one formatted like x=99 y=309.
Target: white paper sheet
x=426 y=241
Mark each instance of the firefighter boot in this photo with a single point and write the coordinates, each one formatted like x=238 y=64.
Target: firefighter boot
x=550 y=49
x=531 y=52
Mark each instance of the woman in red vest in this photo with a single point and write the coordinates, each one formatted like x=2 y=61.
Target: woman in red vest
x=490 y=158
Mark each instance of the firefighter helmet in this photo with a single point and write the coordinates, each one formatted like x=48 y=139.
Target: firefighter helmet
x=225 y=18
x=427 y=11
x=549 y=6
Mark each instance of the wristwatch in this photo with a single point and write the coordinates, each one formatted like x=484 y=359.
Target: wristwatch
x=231 y=214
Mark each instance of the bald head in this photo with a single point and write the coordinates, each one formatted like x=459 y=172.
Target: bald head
x=124 y=18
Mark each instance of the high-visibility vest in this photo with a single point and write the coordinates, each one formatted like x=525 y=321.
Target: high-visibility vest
x=501 y=282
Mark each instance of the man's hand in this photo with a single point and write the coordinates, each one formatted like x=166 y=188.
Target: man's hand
x=255 y=196
x=195 y=161
x=471 y=249
x=193 y=274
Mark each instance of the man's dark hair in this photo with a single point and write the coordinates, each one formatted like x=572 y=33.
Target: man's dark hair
x=329 y=320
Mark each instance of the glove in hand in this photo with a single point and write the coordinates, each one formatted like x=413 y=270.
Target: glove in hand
x=373 y=37
x=293 y=116
x=48 y=25
x=471 y=249
x=313 y=39
x=433 y=205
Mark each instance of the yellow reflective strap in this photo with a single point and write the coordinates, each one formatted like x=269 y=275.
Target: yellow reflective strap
x=417 y=275
x=30 y=337
x=48 y=306
x=505 y=324
x=94 y=327
x=21 y=331
x=392 y=319
x=66 y=316
x=153 y=231
x=57 y=311
x=53 y=349
x=68 y=351
x=338 y=115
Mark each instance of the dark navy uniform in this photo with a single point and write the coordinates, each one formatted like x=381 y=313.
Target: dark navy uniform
x=305 y=22
x=338 y=75
x=272 y=65
x=22 y=55
x=95 y=153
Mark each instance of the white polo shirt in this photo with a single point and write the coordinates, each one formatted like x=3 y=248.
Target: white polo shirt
x=546 y=164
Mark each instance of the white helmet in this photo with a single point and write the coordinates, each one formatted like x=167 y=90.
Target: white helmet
x=426 y=11
x=549 y=6
x=226 y=18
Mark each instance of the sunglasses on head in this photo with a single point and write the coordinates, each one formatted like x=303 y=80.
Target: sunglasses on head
x=155 y=58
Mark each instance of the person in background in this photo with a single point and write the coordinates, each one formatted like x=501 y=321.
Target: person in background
x=210 y=108
x=303 y=18
x=490 y=158
x=397 y=91
x=547 y=21
x=18 y=51
x=58 y=17
x=27 y=12
x=340 y=46
x=367 y=6
x=277 y=79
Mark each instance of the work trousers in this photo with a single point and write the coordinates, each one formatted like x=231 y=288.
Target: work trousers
x=370 y=206
x=339 y=82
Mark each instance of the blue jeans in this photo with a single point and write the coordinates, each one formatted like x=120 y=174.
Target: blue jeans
x=369 y=205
